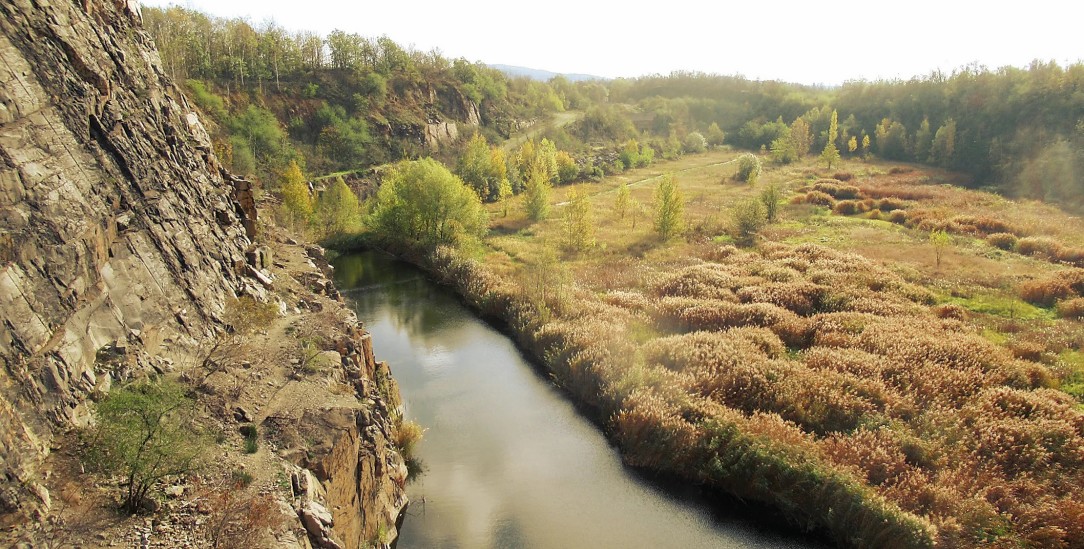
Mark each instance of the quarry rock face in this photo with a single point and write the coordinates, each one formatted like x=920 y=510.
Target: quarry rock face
x=121 y=235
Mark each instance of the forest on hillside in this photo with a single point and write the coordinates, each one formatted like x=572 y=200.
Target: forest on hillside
x=344 y=102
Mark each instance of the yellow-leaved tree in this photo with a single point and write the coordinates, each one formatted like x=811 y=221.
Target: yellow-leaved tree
x=296 y=201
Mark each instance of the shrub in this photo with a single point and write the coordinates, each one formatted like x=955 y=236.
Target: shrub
x=819 y=198
x=746 y=220
x=897 y=216
x=406 y=437
x=1038 y=245
x=1004 y=241
x=748 y=168
x=951 y=310
x=145 y=433
x=847 y=207
x=843 y=176
x=1071 y=308
x=1047 y=291
x=837 y=189
x=695 y=143
x=1072 y=256
x=890 y=203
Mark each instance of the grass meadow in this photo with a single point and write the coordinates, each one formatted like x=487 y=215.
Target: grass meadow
x=847 y=368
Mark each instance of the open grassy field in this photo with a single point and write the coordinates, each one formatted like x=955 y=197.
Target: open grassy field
x=846 y=367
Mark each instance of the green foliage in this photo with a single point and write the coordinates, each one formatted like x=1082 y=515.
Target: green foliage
x=747 y=218
x=695 y=142
x=621 y=202
x=940 y=241
x=504 y=194
x=482 y=168
x=296 y=201
x=715 y=136
x=771 y=198
x=579 y=228
x=669 y=209
x=257 y=130
x=341 y=139
x=783 y=151
x=206 y=99
x=337 y=210
x=800 y=137
x=145 y=432
x=830 y=154
x=420 y=201
x=567 y=171
x=536 y=196
x=748 y=169
x=635 y=155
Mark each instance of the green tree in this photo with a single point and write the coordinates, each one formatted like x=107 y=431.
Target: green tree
x=504 y=194
x=145 y=432
x=943 y=146
x=420 y=201
x=783 y=151
x=669 y=208
x=566 y=167
x=923 y=141
x=630 y=154
x=771 y=198
x=536 y=195
x=337 y=209
x=747 y=218
x=296 y=200
x=621 y=203
x=852 y=144
x=715 y=135
x=694 y=143
x=748 y=168
x=578 y=225
x=801 y=137
x=475 y=168
x=940 y=241
x=830 y=154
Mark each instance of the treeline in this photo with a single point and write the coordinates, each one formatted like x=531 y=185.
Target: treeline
x=1019 y=129
x=342 y=102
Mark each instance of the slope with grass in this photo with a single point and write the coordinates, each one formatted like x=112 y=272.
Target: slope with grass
x=836 y=368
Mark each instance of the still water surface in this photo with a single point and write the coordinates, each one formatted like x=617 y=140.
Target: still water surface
x=509 y=462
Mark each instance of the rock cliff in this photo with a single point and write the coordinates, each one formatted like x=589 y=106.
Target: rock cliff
x=120 y=229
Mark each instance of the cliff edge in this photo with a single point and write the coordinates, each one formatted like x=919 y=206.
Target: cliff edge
x=120 y=230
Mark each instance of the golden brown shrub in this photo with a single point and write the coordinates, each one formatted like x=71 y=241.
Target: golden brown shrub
x=1038 y=245
x=1004 y=241
x=1071 y=308
x=898 y=217
x=819 y=198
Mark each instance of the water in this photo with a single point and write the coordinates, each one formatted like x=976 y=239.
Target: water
x=509 y=462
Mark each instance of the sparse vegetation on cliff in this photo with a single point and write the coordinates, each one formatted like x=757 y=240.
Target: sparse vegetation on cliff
x=145 y=433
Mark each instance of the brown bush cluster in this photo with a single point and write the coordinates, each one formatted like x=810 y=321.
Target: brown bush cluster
x=816 y=380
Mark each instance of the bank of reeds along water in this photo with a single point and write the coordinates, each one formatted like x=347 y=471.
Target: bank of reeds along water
x=809 y=379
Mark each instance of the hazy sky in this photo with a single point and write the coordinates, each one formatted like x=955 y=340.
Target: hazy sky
x=808 y=42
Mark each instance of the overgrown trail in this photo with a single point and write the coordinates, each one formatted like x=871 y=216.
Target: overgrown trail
x=559 y=120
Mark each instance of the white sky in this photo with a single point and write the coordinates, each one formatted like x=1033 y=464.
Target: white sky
x=808 y=42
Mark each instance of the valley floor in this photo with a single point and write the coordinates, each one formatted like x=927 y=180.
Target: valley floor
x=895 y=360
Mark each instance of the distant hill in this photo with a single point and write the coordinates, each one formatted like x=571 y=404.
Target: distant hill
x=541 y=75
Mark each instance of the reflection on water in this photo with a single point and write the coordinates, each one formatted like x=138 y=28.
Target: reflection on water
x=508 y=460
